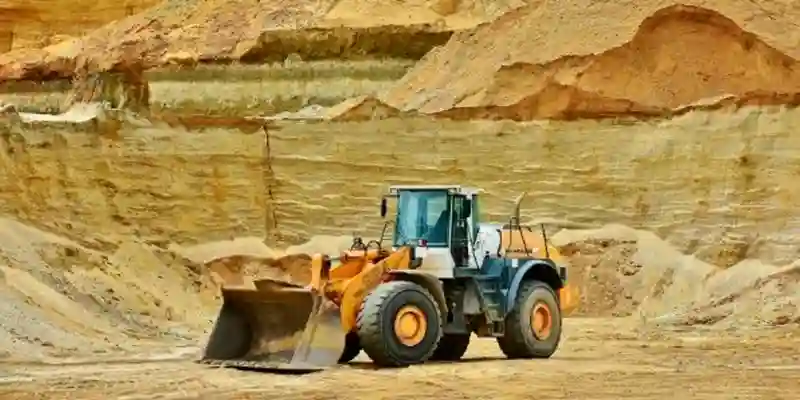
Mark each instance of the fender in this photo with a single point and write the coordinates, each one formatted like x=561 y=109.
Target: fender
x=539 y=270
x=426 y=280
x=359 y=286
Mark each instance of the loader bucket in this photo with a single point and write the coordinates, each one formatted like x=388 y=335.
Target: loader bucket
x=277 y=328
x=569 y=298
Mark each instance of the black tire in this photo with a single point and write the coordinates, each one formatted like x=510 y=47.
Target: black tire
x=376 y=324
x=352 y=346
x=519 y=340
x=451 y=348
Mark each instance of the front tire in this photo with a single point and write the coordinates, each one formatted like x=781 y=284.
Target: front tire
x=533 y=328
x=399 y=324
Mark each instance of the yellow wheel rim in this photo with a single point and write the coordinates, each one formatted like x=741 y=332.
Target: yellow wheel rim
x=541 y=321
x=410 y=325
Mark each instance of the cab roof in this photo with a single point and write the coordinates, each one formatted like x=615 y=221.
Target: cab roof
x=453 y=189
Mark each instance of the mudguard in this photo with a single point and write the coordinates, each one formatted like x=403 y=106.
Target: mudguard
x=534 y=269
x=431 y=283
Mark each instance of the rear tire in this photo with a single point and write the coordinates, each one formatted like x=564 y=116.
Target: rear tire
x=377 y=325
x=451 y=348
x=521 y=339
x=352 y=346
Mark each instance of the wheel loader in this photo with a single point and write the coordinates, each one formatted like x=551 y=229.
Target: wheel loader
x=445 y=276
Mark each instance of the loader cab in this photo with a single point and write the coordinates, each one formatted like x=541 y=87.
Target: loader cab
x=442 y=221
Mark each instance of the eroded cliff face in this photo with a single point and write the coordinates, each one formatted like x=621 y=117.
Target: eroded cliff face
x=715 y=183
x=719 y=185
x=40 y=23
x=594 y=59
x=256 y=31
x=156 y=183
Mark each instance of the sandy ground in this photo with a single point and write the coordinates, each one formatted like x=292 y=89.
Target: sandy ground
x=599 y=359
x=127 y=322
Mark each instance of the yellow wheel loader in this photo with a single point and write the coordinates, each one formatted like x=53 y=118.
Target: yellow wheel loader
x=445 y=277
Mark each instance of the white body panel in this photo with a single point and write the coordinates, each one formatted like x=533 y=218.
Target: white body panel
x=487 y=241
x=439 y=262
x=436 y=261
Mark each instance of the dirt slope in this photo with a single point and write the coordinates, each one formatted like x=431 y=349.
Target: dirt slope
x=588 y=58
x=626 y=272
x=59 y=298
x=64 y=299
x=189 y=31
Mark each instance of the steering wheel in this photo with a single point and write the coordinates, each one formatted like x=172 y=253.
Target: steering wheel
x=375 y=242
x=358 y=244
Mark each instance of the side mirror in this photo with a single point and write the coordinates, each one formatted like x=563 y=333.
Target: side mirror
x=384 y=207
x=467 y=208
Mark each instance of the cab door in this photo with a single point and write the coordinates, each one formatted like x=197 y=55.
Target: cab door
x=459 y=238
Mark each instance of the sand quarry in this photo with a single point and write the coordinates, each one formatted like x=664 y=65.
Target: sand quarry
x=670 y=169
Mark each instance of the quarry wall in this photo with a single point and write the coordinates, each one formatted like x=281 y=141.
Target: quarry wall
x=718 y=185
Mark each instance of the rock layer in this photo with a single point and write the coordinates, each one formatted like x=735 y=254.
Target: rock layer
x=719 y=186
x=126 y=89
x=255 y=31
x=632 y=59
x=40 y=23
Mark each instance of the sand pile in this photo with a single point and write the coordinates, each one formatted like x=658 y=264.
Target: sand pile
x=621 y=271
x=239 y=261
x=586 y=58
x=361 y=108
x=185 y=32
x=59 y=298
